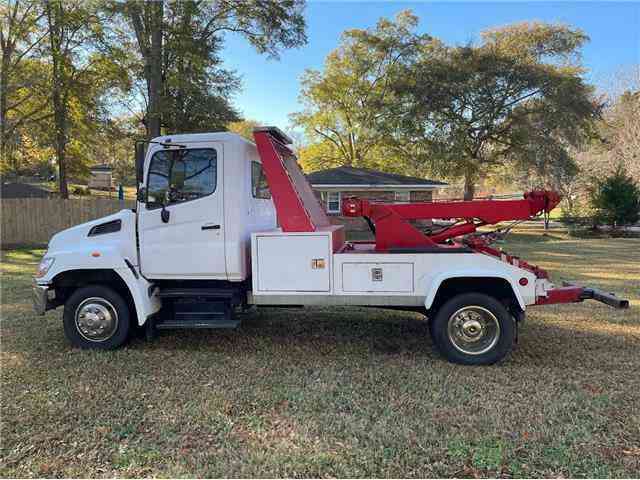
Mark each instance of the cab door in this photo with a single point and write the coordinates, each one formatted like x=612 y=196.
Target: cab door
x=181 y=218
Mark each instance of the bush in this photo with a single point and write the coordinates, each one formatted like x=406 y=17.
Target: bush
x=616 y=199
x=80 y=190
x=575 y=214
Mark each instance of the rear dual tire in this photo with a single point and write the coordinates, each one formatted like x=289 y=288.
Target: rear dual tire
x=473 y=329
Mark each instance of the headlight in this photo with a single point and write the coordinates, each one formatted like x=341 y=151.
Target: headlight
x=45 y=264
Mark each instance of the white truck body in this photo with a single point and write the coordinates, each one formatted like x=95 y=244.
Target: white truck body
x=248 y=245
x=284 y=273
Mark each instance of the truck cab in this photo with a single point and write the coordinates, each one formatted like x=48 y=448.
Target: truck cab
x=222 y=224
x=202 y=197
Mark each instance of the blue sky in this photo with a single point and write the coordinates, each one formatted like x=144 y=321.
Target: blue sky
x=271 y=87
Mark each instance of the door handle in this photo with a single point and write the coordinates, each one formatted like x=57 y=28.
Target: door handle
x=210 y=227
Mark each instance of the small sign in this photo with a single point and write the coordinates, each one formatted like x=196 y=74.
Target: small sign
x=317 y=263
x=376 y=274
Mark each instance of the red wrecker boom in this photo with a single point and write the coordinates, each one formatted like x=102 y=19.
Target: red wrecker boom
x=394 y=233
x=393 y=230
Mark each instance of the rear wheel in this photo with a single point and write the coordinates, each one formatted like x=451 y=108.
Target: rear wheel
x=96 y=317
x=473 y=329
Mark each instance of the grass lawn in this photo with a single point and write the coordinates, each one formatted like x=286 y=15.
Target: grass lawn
x=341 y=392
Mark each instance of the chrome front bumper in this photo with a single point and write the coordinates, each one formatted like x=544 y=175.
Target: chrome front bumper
x=42 y=296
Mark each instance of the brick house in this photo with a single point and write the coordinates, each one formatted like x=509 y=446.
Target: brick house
x=334 y=184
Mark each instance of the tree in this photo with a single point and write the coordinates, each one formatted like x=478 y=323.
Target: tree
x=267 y=24
x=80 y=75
x=619 y=132
x=345 y=103
x=29 y=109
x=244 y=127
x=616 y=141
x=616 y=199
x=147 y=18
x=516 y=95
x=20 y=35
x=196 y=89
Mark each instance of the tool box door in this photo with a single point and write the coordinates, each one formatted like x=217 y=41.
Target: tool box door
x=294 y=263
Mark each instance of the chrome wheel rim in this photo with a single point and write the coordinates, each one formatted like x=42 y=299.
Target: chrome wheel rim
x=96 y=319
x=473 y=330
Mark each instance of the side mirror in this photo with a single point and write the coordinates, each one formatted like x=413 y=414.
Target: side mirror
x=142 y=195
x=164 y=215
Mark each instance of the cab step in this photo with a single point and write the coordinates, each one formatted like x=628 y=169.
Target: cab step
x=198 y=323
x=184 y=293
x=196 y=308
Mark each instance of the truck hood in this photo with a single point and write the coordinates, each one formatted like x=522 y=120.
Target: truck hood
x=106 y=248
x=80 y=233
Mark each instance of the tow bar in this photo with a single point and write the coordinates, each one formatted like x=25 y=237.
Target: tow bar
x=589 y=293
x=571 y=293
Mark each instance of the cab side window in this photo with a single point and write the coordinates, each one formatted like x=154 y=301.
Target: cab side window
x=259 y=185
x=177 y=176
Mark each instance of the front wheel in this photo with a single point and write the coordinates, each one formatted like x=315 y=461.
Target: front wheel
x=473 y=329
x=96 y=317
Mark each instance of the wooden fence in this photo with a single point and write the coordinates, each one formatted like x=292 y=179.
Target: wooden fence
x=32 y=221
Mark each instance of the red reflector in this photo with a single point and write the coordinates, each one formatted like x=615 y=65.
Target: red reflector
x=523 y=281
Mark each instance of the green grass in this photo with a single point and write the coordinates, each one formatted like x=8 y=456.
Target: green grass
x=340 y=392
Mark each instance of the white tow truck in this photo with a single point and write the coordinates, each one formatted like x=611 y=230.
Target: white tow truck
x=223 y=223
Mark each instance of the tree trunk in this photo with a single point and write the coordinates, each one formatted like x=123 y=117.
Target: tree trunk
x=60 y=120
x=4 y=80
x=62 y=167
x=469 y=186
x=55 y=19
x=154 y=71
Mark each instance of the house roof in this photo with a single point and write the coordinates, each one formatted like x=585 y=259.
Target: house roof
x=365 y=177
x=101 y=168
x=23 y=190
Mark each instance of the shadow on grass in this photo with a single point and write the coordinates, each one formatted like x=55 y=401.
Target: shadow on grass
x=549 y=345
x=323 y=330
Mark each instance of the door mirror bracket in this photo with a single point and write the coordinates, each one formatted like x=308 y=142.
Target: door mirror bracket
x=142 y=195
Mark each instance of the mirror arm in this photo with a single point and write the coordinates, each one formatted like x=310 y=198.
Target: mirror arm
x=142 y=194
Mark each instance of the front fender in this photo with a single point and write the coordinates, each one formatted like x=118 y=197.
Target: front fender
x=86 y=257
x=146 y=303
x=103 y=256
x=145 y=300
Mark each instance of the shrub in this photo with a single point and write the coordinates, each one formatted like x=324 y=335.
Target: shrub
x=576 y=213
x=80 y=190
x=616 y=199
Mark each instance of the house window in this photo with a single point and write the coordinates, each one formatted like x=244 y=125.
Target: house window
x=331 y=201
x=403 y=197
